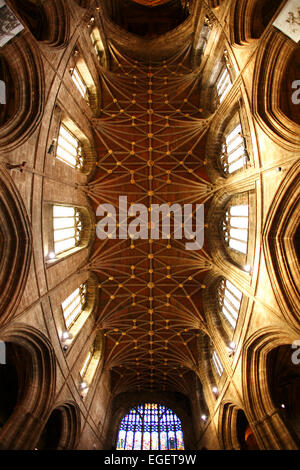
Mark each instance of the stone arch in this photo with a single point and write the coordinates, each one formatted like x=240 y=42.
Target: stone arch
x=264 y=415
x=47 y=20
x=284 y=385
x=281 y=245
x=250 y=19
x=275 y=58
x=62 y=430
x=234 y=430
x=16 y=246
x=37 y=379
x=23 y=64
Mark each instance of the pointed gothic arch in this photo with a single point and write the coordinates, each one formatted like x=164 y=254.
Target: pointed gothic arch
x=281 y=245
x=251 y=18
x=276 y=63
x=259 y=403
x=62 y=429
x=48 y=21
x=34 y=360
x=26 y=102
x=234 y=429
x=16 y=246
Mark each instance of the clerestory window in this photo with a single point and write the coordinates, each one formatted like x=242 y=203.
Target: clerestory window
x=74 y=305
x=230 y=299
x=79 y=82
x=223 y=83
x=234 y=153
x=67 y=227
x=217 y=363
x=69 y=149
x=235 y=227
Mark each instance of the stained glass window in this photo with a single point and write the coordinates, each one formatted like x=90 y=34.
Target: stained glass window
x=150 y=426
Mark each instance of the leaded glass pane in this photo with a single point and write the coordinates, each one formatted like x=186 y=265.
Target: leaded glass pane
x=67 y=226
x=69 y=148
x=235 y=228
x=150 y=427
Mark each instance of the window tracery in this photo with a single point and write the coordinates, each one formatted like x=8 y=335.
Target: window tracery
x=150 y=426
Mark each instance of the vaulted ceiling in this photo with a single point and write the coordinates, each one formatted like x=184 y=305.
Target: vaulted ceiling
x=150 y=140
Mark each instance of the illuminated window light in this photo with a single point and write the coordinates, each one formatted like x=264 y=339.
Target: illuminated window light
x=150 y=426
x=234 y=154
x=235 y=228
x=69 y=149
x=217 y=363
x=67 y=227
x=79 y=82
x=223 y=84
x=74 y=304
x=230 y=299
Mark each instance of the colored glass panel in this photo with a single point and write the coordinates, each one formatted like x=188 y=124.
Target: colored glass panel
x=150 y=427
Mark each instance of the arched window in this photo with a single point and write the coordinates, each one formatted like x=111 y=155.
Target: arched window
x=234 y=153
x=87 y=85
x=86 y=363
x=223 y=83
x=76 y=308
x=90 y=364
x=79 y=82
x=235 y=227
x=74 y=305
x=217 y=363
x=69 y=149
x=67 y=227
x=150 y=426
x=230 y=299
x=98 y=46
x=203 y=39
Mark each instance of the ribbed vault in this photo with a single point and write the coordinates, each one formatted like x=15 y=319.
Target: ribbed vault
x=150 y=145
